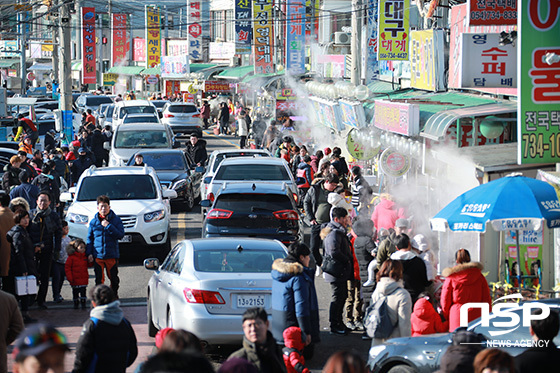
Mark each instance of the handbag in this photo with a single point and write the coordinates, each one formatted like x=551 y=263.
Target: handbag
x=26 y=285
x=332 y=267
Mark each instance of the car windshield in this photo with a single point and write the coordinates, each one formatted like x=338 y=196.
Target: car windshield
x=182 y=109
x=221 y=157
x=159 y=104
x=137 y=110
x=245 y=261
x=109 y=111
x=163 y=161
x=252 y=172
x=141 y=119
x=117 y=187
x=250 y=202
x=141 y=139
x=98 y=100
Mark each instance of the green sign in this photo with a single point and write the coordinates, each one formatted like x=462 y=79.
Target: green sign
x=110 y=78
x=538 y=118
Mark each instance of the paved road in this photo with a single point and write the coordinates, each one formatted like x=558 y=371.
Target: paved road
x=134 y=279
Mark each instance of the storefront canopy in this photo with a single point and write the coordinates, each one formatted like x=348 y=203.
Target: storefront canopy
x=254 y=77
x=236 y=73
x=76 y=65
x=8 y=63
x=41 y=67
x=127 y=70
x=152 y=71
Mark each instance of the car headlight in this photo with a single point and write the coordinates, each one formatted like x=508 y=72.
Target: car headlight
x=179 y=184
x=77 y=218
x=376 y=350
x=154 y=216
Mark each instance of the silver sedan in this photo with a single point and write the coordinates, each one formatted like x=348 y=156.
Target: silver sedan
x=205 y=285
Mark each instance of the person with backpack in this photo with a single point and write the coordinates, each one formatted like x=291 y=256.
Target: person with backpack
x=26 y=127
x=304 y=177
x=398 y=304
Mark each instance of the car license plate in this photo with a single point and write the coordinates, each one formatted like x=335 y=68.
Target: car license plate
x=248 y=301
x=127 y=238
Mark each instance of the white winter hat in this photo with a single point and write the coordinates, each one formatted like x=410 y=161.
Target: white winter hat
x=334 y=199
x=419 y=242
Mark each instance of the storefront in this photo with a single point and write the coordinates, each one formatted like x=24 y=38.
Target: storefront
x=129 y=79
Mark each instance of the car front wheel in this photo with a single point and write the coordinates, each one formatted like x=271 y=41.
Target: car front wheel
x=152 y=329
x=189 y=200
x=402 y=369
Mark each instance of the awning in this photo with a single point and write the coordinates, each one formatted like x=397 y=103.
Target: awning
x=76 y=65
x=152 y=71
x=236 y=73
x=196 y=67
x=127 y=70
x=380 y=86
x=8 y=63
x=41 y=67
x=264 y=77
x=437 y=125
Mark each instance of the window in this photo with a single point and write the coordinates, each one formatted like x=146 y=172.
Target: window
x=250 y=202
x=185 y=109
x=221 y=157
x=141 y=139
x=245 y=261
x=253 y=172
x=137 y=110
x=117 y=187
x=230 y=26
x=141 y=119
x=163 y=161
x=97 y=100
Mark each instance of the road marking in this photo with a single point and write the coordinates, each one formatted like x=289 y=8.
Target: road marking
x=208 y=133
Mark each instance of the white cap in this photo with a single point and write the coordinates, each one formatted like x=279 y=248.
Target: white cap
x=419 y=242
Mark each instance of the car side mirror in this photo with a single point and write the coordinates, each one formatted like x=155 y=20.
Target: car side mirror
x=102 y=116
x=208 y=180
x=205 y=203
x=199 y=169
x=169 y=193
x=151 y=263
x=65 y=197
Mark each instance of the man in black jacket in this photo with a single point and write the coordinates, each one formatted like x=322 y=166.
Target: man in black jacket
x=414 y=269
x=317 y=209
x=545 y=356
x=196 y=150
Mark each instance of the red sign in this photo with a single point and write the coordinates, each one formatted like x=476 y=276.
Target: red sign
x=88 y=46
x=119 y=40
x=139 y=49
x=216 y=86
x=492 y=12
x=172 y=87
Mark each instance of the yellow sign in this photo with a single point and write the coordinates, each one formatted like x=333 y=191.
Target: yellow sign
x=110 y=78
x=358 y=149
x=393 y=30
x=426 y=60
x=153 y=37
x=192 y=89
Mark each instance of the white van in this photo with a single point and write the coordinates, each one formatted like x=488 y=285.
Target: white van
x=123 y=108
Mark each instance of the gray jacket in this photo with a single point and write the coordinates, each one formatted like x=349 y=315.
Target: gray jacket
x=337 y=245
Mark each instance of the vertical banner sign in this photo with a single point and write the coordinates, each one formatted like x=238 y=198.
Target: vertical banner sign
x=394 y=16
x=295 y=29
x=311 y=23
x=243 y=29
x=262 y=32
x=427 y=60
x=139 y=50
x=88 y=46
x=538 y=118
x=153 y=36
x=194 y=29
x=493 y=12
x=119 y=39
x=372 y=65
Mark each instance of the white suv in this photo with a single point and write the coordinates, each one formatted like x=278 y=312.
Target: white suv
x=136 y=197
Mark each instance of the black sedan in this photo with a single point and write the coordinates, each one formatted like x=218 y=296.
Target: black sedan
x=174 y=172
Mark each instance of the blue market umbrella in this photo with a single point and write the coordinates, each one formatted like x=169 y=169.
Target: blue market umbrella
x=511 y=203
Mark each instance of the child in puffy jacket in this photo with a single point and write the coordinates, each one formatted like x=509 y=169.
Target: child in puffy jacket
x=76 y=269
x=293 y=352
x=425 y=319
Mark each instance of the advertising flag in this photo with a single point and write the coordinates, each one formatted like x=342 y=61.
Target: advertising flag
x=119 y=39
x=243 y=27
x=372 y=65
x=394 y=16
x=88 y=46
x=153 y=36
x=263 y=36
x=295 y=30
x=194 y=21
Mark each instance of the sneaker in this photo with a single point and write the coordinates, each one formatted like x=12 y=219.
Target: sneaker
x=350 y=325
x=58 y=300
x=358 y=325
x=339 y=330
x=368 y=283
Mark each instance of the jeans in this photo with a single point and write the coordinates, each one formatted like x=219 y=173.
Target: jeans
x=315 y=243
x=339 y=292
x=354 y=302
x=111 y=267
x=58 y=276
x=44 y=263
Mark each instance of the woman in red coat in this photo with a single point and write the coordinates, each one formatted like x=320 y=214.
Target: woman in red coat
x=425 y=319
x=464 y=283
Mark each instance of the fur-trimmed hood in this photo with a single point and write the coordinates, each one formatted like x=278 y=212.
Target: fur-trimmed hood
x=287 y=266
x=20 y=201
x=461 y=267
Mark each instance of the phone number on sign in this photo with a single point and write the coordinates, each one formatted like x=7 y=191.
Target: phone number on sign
x=536 y=144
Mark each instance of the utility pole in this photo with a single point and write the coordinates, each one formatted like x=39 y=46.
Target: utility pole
x=65 y=60
x=22 y=20
x=100 y=50
x=54 y=28
x=355 y=46
x=110 y=33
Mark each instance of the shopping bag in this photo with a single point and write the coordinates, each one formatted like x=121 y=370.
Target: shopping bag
x=26 y=285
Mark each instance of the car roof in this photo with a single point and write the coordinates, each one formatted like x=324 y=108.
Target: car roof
x=127 y=170
x=160 y=151
x=247 y=151
x=126 y=103
x=141 y=115
x=141 y=126
x=181 y=104
x=253 y=187
x=226 y=243
x=259 y=160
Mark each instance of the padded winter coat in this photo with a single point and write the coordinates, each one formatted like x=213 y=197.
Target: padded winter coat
x=464 y=283
x=22 y=259
x=76 y=268
x=102 y=242
x=425 y=319
x=399 y=306
x=386 y=214
x=338 y=246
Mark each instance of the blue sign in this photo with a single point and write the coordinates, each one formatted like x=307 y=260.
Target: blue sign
x=67 y=126
x=295 y=42
x=243 y=27
x=372 y=64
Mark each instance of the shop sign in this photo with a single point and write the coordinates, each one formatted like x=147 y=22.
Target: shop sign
x=177 y=47
x=110 y=78
x=31 y=76
x=12 y=73
x=243 y=28
x=458 y=22
x=372 y=65
x=327 y=113
x=394 y=16
x=289 y=106
x=188 y=98
x=172 y=87
x=195 y=12
x=538 y=113
x=397 y=117
x=119 y=39
x=427 y=60
x=9 y=48
x=152 y=79
x=89 y=56
x=286 y=94
x=216 y=86
x=263 y=35
x=295 y=37
x=492 y=12
x=358 y=149
x=486 y=63
x=175 y=66
x=139 y=49
x=352 y=114
x=221 y=51
x=393 y=163
x=332 y=65
x=311 y=20
x=153 y=36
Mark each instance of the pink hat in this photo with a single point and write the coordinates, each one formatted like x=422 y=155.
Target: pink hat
x=160 y=336
x=327 y=150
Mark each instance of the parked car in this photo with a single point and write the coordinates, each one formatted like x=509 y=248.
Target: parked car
x=205 y=285
x=123 y=108
x=251 y=209
x=136 y=197
x=105 y=115
x=140 y=118
x=92 y=102
x=129 y=138
x=174 y=172
x=6 y=154
x=183 y=118
x=218 y=156
x=159 y=104
x=423 y=354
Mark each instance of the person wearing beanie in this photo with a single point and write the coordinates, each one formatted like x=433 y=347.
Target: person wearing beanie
x=42 y=347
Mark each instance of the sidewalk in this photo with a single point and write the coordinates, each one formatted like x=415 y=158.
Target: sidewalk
x=69 y=322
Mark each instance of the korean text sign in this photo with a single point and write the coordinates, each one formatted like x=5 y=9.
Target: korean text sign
x=153 y=37
x=139 y=49
x=493 y=12
x=394 y=16
x=119 y=39
x=397 y=117
x=427 y=60
x=263 y=35
x=194 y=18
x=295 y=40
x=539 y=82
x=489 y=64
x=372 y=65
x=88 y=46
x=243 y=27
